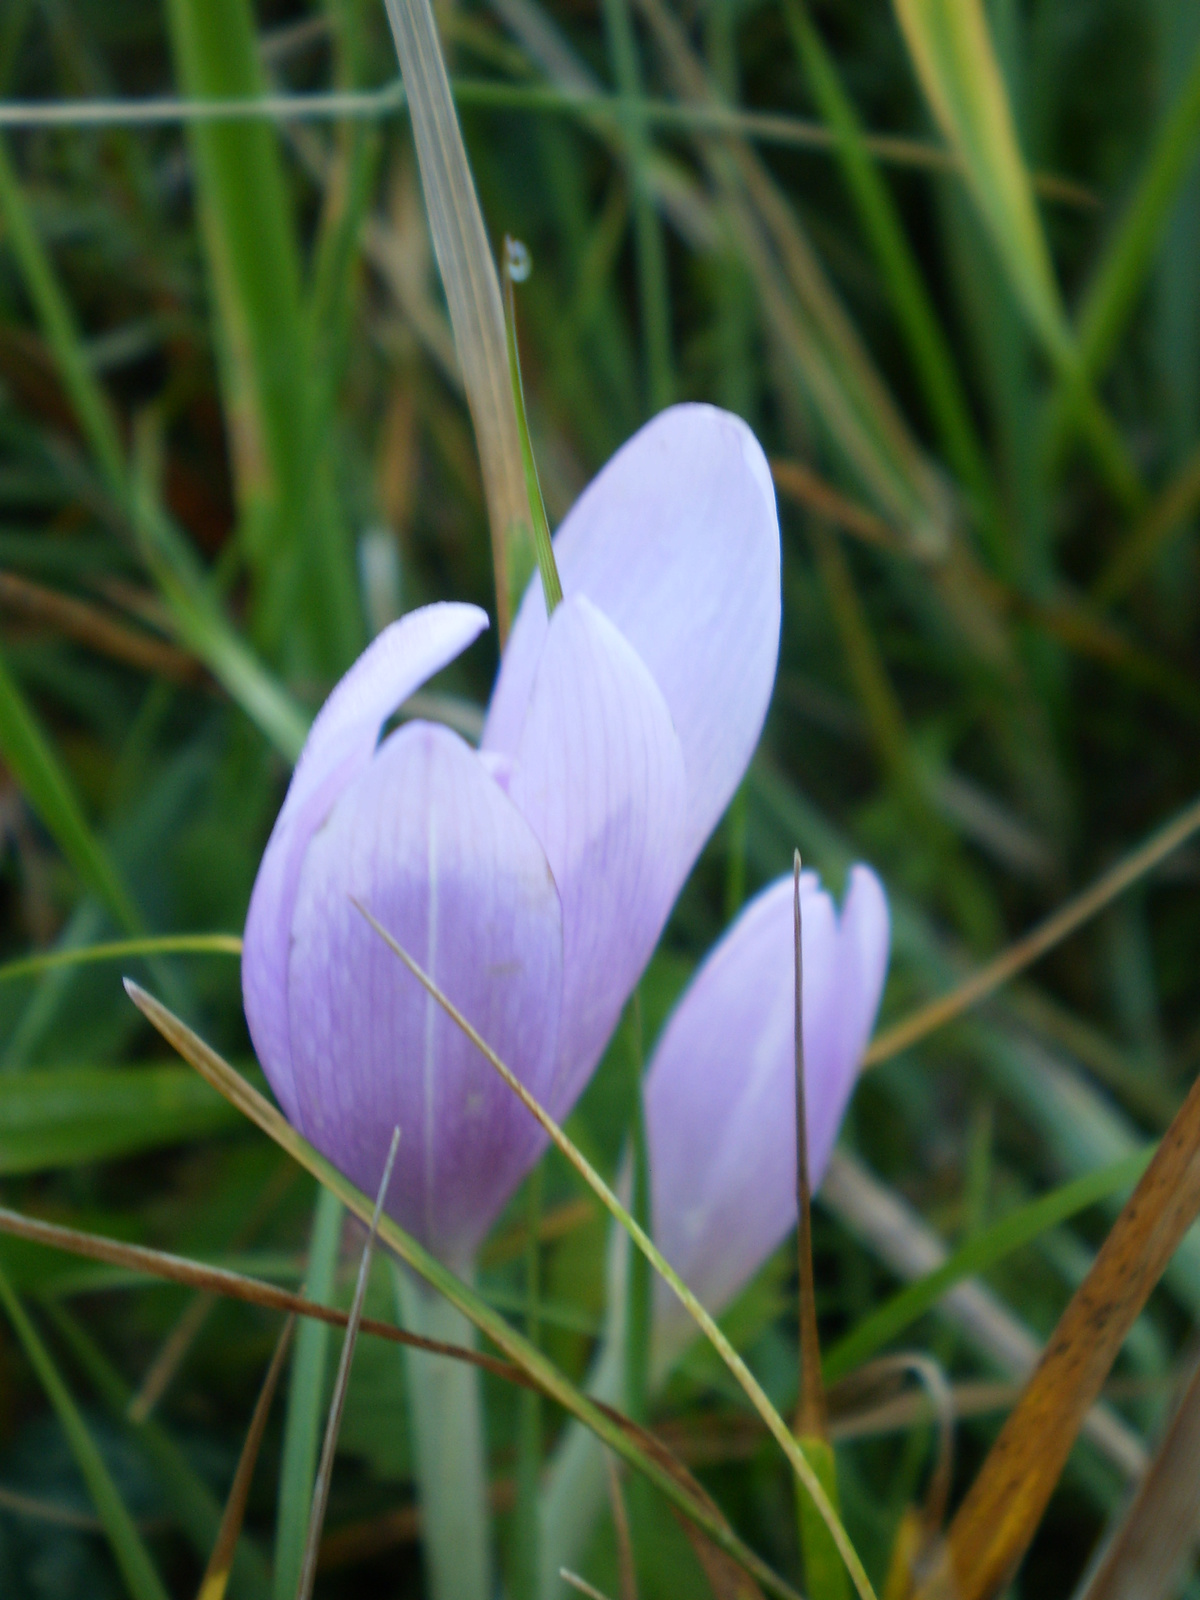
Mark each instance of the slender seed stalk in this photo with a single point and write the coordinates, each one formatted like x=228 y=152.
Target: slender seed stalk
x=517 y=267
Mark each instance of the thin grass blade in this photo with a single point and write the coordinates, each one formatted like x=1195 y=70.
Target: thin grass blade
x=619 y=1434
x=220 y=1563
x=125 y=1541
x=306 y=1394
x=289 y=525
x=197 y=618
x=1073 y=914
x=955 y=61
x=472 y=292
x=195 y=1507
x=744 y=1377
x=900 y=274
x=29 y=755
x=337 y=1404
x=985 y=1249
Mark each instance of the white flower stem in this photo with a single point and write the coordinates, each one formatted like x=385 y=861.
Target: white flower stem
x=449 y=1446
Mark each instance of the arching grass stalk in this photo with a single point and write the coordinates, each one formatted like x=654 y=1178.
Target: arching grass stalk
x=607 y=1425
x=747 y=1381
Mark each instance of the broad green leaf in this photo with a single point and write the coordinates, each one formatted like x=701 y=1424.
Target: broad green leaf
x=67 y=1116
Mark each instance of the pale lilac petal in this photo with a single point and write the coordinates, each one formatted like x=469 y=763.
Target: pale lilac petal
x=339 y=745
x=598 y=775
x=676 y=541
x=442 y=858
x=720 y=1090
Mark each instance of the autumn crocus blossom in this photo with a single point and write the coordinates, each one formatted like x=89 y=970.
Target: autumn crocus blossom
x=531 y=878
x=720 y=1091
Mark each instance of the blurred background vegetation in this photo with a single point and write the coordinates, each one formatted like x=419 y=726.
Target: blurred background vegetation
x=233 y=445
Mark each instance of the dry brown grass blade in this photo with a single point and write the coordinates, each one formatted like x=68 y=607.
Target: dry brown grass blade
x=996 y=1521
x=626 y=1565
x=231 y=1285
x=1143 y=1558
x=905 y=1243
x=216 y=1576
x=727 y=1580
x=581 y=1585
x=809 y=490
x=1038 y=941
x=88 y=625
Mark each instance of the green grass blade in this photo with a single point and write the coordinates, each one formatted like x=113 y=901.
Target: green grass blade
x=69 y=1116
x=34 y=765
x=291 y=533
x=128 y=1550
x=1120 y=275
x=952 y=51
x=91 y=407
x=900 y=274
x=653 y=289
x=604 y=1424
x=225 y=944
x=824 y=354
x=984 y=1250
x=306 y=1401
x=955 y=61
x=181 y=580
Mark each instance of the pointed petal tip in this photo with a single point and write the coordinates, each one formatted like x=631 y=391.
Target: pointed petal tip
x=676 y=541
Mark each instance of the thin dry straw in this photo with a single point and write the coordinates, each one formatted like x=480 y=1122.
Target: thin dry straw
x=308 y=1573
x=220 y=1563
x=770 y=127
x=232 y=1285
x=1025 y=951
x=580 y=1585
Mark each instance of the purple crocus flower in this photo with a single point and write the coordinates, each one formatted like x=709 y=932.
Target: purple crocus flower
x=720 y=1090
x=531 y=879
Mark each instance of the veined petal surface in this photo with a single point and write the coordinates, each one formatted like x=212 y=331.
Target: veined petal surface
x=599 y=776
x=676 y=541
x=433 y=848
x=720 y=1090
x=340 y=744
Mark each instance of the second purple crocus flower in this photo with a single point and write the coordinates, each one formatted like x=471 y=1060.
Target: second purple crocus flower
x=530 y=879
x=720 y=1090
